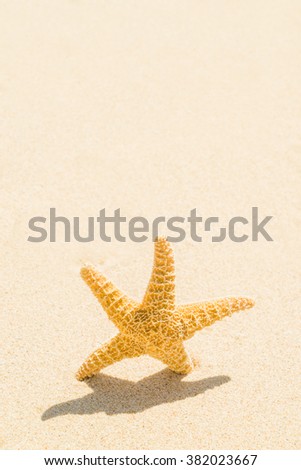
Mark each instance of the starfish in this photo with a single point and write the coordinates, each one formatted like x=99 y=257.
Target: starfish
x=156 y=326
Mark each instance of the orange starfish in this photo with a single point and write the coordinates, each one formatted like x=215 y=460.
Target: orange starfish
x=156 y=326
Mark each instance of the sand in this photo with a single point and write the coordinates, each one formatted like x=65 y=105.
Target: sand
x=155 y=108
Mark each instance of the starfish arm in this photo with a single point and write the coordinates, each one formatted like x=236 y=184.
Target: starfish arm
x=175 y=357
x=118 y=306
x=199 y=315
x=160 y=293
x=118 y=348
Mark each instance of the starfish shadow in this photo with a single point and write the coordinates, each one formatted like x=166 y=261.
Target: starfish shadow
x=117 y=396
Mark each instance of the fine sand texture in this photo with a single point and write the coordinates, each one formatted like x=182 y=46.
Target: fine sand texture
x=156 y=108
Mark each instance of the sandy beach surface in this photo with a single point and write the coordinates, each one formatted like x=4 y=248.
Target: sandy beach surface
x=156 y=108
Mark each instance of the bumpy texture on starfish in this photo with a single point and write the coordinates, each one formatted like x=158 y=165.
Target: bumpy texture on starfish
x=157 y=326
